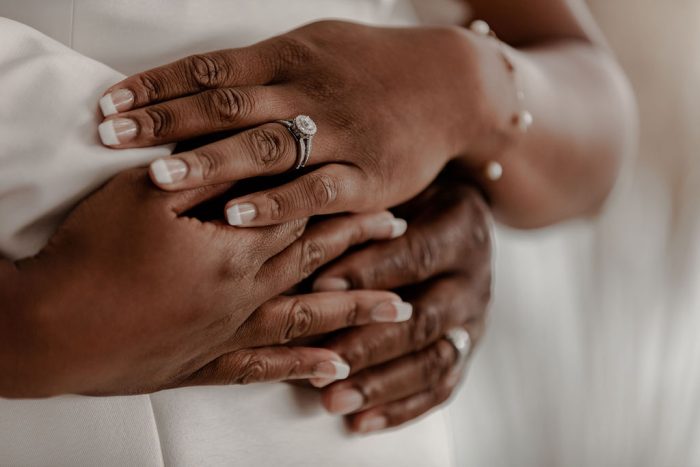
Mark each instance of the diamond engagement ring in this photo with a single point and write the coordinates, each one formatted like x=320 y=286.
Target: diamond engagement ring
x=303 y=129
x=462 y=342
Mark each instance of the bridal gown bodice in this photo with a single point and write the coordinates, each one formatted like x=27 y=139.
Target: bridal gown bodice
x=260 y=425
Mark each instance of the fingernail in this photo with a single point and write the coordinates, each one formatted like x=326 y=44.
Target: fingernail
x=375 y=423
x=116 y=101
x=241 y=214
x=398 y=227
x=117 y=131
x=331 y=284
x=167 y=171
x=332 y=369
x=345 y=401
x=321 y=382
x=392 y=312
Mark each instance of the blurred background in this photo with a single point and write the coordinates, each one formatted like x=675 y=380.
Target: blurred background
x=593 y=354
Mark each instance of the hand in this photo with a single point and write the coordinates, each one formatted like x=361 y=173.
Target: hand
x=132 y=296
x=401 y=371
x=389 y=104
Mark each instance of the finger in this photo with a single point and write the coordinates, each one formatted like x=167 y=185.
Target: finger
x=330 y=189
x=284 y=319
x=136 y=183
x=320 y=244
x=399 y=412
x=266 y=242
x=441 y=304
x=246 y=66
x=265 y=150
x=205 y=113
x=392 y=381
x=269 y=364
x=455 y=236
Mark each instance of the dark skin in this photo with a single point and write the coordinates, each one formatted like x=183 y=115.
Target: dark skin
x=563 y=168
x=443 y=267
x=132 y=296
x=392 y=114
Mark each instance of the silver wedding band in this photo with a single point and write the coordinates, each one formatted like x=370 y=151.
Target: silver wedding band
x=462 y=343
x=303 y=129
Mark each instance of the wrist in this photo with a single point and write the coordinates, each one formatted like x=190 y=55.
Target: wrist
x=488 y=101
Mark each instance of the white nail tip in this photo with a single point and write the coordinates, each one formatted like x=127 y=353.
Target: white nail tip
x=107 y=105
x=160 y=171
x=342 y=370
x=233 y=215
x=398 y=227
x=404 y=311
x=108 y=134
x=240 y=214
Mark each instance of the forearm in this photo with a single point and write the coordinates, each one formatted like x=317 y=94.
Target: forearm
x=18 y=349
x=584 y=125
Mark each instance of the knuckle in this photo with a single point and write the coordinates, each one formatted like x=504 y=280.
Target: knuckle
x=426 y=326
x=291 y=53
x=300 y=318
x=424 y=254
x=267 y=147
x=250 y=369
x=322 y=189
x=437 y=363
x=351 y=314
x=356 y=356
x=278 y=206
x=160 y=121
x=208 y=70
x=230 y=105
x=232 y=272
x=154 y=89
x=210 y=164
x=312 y=256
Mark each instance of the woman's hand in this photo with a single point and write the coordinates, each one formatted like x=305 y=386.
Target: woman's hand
x=392 y=107
x=133 y=296
x=401 y=371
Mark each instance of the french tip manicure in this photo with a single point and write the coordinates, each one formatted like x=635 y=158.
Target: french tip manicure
x=332 y=369
x=160 y=172
x=168 y=170
x=107 y=105
x=398 y=227
x=321 y=382
x=117 y=131
x=116 y=101
x=108 y=135
x=241 y=214
x=345 y=401
x=331 y=284
x=404 y=311
x=373 y=424
x=392 y=312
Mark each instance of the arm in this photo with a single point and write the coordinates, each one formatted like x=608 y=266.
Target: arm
x=584 y=111
x=393 y=108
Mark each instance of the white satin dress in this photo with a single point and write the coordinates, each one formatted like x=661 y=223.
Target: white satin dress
x=50 y=81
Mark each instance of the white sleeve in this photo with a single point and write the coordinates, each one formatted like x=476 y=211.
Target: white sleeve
x=50 y=154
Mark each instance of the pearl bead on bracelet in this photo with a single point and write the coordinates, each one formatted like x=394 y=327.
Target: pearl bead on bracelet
x=523 y=119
